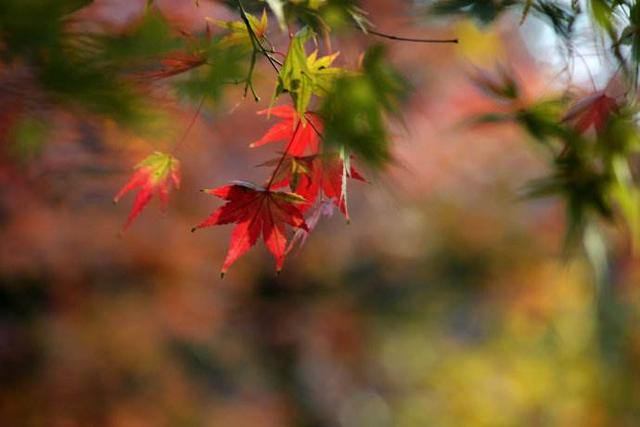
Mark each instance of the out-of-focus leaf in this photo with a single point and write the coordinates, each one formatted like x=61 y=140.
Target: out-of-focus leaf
x=626 y=195
x=173 y=64
x=602 y=13
x=324 y=16
x=27 y=26
x=596 y=251
x=359 y=16
x=28 y=137
x=81 y=83
x=354 y=112
x=501 y=85
x=634 y=32
x=592 y=111
x=560 y=17
x=238 y=32
x=479 y=45
x=151 y=37
x=578 y=180
x=225 y=65
x=82 y=70
x=277 y=7
x=627 y=35
x=488 y=118
x=620 y=136
x=542 y=120
x=483 y=11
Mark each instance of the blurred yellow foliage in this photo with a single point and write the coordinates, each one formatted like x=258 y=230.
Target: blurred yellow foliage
x=480 y=46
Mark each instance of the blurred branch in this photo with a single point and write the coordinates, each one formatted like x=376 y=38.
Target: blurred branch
x=408 y=39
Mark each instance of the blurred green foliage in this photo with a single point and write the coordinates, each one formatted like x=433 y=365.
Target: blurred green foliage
x=29 y=136
x=355 y=112
x=30 y=28
x=105 y=73
x=77 y=69
x=325 y=15
x=108 y=73
x=591 y=141
x=484 y=11
x=224 y=65
x=322 y=16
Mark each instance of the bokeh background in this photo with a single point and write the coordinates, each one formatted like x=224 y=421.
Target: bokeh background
x=447 y=301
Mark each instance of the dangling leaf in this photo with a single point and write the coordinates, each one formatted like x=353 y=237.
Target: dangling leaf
x=155 y=175
x=319 y=176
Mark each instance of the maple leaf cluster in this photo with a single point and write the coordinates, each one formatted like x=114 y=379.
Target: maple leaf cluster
x=308 y=177
x=313 y=177
x=304 y=177
x=593 y=141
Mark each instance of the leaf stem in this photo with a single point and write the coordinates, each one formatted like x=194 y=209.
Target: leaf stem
x=284 y=155
x=313 y=126
x=257 y=44
x=190 y=126
x=249 y=82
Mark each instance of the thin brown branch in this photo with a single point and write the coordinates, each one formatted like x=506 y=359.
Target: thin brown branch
x=284 y=155
x=408 y=39
x=255 y=40
x=190 y=126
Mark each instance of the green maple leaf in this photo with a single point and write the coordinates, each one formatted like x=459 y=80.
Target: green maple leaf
x=303 y=76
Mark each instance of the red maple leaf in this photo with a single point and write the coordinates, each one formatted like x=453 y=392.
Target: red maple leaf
x=315 y=176
x=156 y=174
x=255 y=211
x=594 y=110
x=302 y=135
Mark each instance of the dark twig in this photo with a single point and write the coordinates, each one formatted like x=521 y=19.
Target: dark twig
x=408 y=39
x=190 y=126
x=284 y=156
x=255 y=40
